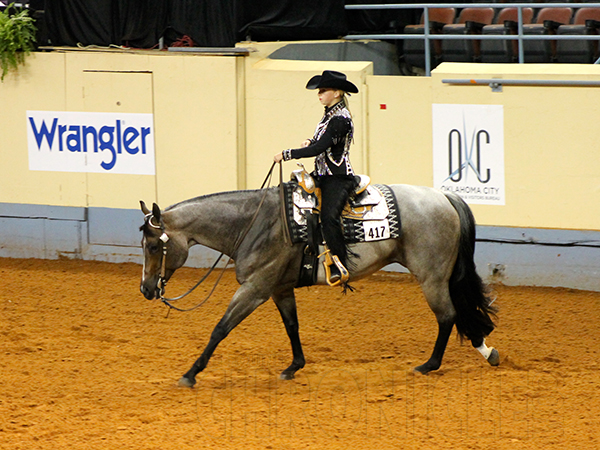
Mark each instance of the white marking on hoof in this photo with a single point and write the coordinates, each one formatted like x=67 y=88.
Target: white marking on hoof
x=484 y=350
x=184 y=382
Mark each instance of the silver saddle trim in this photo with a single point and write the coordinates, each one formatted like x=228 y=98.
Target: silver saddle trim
x=364 y=182
x=371 y=200
x=374 y=198
x=303 y=205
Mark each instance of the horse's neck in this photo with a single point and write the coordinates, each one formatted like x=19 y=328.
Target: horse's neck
x=216 y=221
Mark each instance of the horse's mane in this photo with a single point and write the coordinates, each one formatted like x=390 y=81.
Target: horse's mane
x=208 y=196
x=146 y=227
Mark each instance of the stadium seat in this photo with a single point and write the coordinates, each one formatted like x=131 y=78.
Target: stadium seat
x=470 y=21
x=507 y=22
x=585 y=22
x=547 y=22
x=414 y=49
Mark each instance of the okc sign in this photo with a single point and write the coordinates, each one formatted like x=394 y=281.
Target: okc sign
x=468 y=152
x=91 y=142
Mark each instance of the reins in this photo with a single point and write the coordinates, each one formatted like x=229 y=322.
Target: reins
x=165 y=238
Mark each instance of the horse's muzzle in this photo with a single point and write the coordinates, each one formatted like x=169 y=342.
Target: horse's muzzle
x=150 y=294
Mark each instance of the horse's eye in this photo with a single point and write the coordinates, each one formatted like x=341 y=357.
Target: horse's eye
x=153 y=249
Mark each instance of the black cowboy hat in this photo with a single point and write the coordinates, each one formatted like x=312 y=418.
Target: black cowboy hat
x=331 y=79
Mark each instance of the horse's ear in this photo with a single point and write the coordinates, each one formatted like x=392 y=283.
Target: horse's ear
x=156 y=211
x=145 y=209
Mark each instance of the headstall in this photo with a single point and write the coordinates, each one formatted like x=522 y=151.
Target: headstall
x=164 y=238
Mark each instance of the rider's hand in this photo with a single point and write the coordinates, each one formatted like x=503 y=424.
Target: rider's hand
x=278 y=157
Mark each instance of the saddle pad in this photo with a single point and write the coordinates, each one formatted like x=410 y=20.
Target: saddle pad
x=354 y=230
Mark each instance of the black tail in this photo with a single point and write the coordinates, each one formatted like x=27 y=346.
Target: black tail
x=469 y=294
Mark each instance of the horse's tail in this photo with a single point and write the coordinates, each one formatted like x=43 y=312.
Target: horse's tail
x=469 y=294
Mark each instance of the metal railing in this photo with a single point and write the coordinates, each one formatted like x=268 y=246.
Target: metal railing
x=427 y=36
x=496 y=84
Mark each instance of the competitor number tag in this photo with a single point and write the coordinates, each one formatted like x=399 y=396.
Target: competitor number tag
x=376 y=230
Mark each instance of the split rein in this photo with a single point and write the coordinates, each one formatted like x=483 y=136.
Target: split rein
x=165 y=238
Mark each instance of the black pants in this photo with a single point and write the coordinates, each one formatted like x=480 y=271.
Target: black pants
x=335 y=190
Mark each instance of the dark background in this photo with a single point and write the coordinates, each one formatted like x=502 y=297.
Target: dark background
x=207 y=23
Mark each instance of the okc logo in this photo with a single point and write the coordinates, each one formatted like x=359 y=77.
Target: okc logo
x=468 y=151
x=463 y=154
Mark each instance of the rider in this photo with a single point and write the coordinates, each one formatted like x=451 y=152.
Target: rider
x=333 y=171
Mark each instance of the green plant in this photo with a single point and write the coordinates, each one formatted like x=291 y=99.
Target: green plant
x=17 y=38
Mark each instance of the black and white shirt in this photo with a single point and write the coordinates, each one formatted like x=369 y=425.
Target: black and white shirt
x=330 y=143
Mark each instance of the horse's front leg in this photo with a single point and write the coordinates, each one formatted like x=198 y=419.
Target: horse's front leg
x=286 y=304
x=244 y=302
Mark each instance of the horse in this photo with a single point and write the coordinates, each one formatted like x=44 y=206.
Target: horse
x=436 y=244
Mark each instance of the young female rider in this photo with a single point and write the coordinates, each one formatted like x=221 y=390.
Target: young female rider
x=333 y=172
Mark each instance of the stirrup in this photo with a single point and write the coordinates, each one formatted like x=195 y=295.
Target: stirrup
x=335 y=272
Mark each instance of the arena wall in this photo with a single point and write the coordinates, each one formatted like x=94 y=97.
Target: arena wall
x=218 y=120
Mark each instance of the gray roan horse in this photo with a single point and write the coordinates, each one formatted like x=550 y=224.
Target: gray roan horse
x=436 y=244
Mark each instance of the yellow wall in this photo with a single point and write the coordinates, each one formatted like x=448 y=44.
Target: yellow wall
x=551 y=137
x=219 y=120
x=194 y=100
x=400 y=137
x=281 y=112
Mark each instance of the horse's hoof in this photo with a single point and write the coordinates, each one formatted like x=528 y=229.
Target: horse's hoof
x=186 y=382
x=287 y=376
x=494 y=358
x=423 y=370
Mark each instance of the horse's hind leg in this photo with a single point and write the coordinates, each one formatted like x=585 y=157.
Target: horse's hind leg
x=286 y=304
x=438 y=298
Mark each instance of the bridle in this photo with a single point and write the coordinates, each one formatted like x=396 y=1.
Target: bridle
x=164 y=238
x=161 y=284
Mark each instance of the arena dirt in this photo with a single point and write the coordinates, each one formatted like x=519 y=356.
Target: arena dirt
x=88 y=363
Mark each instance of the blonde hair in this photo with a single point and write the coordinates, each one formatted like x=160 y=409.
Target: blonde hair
x=345 y=100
